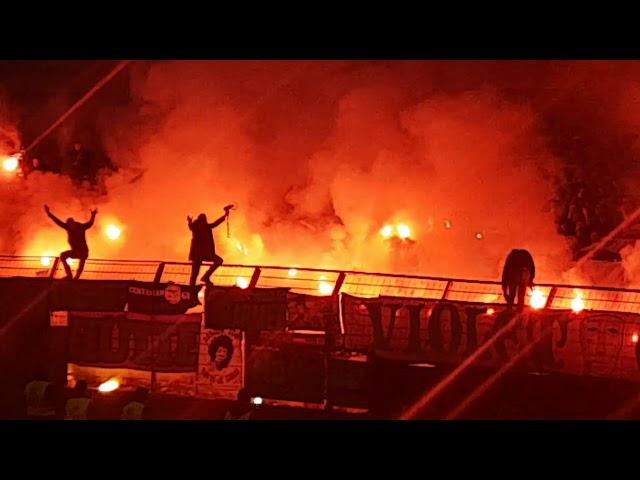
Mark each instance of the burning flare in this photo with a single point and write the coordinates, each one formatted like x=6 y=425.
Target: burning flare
x=10 y=164
x=242 y=282
x=113 y=232
x=537 y=300
x=110 y=385
x=577 y=304
x=386 y=231
x=325 y=288
x=403 y=230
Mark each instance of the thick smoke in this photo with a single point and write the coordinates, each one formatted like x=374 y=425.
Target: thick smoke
x=319 y=156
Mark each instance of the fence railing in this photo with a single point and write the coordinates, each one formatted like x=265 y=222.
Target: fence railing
x=315 y=281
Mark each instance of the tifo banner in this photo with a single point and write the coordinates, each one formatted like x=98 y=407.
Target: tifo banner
x=245 y=309
x=348 y=380
x=161 y=298
x=221 y=363
x=311 y=312
x=280 y=368
x=588 y=343
x=162 y=343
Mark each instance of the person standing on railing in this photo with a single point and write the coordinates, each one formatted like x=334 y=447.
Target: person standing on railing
x=517 y=275
x=202 y=246
x=76 y=234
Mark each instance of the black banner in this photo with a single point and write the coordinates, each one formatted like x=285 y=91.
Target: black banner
x=161 y=298
x=167 y=343
x=281 y=370
x=251 y=309
x=89 y=296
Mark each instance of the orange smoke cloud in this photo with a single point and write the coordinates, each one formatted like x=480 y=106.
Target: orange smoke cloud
x=319 y=156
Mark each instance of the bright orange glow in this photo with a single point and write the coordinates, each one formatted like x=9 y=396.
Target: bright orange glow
x=490 y=311
x=386 y=231
x=325 y=288
x=10 y=164
x=110 y=385
x=113 y=232
x=403 y=230
x=537 y=299
x=634 y=338
x=201 y=295
x=577 y=304
x=257 y=401
x=242 y=282
x=447 y=224
x=71 y=261
x=479 y=236
x=45 y=261
x=241 y=248
x=292 y=272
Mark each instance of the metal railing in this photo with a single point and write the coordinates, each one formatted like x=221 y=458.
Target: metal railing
x=323 y=282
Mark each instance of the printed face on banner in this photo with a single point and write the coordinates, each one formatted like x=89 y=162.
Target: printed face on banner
x=173 y=294
x=220 y=370
x=601 y=339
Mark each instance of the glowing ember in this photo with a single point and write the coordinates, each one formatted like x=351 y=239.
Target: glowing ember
x=403 y=230
x=479 y=236
x=110 y=385
x=325 y=288
x=634 y=338
x=292 y=272
x=537 y=300
x=257 y=401
x=490 y=311
x=242 y=282
x=10 y=164
x=577 y=304
x=447 y=224
x=45 y=261
x=386 y=231
x=113 y=232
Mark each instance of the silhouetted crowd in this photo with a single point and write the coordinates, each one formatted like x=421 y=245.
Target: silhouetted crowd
x=80 y=164
x=589 y=208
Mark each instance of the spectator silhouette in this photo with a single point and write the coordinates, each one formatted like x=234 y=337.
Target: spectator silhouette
x=76 y=234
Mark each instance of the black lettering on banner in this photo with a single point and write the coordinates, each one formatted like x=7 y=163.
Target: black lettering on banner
x=437 y=339
x=414 y=346
x=472 y=330
x=502 y=320
x=375 y=314
x=115 y=341
x=393 y=311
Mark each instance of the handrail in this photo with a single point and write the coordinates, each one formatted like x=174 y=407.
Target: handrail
x=344 y=281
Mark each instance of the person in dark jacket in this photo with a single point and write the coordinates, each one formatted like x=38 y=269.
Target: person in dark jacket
x=517 y=275
x=202 y=246
x=77 y=240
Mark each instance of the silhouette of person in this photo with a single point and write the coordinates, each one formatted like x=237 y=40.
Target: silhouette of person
x=77 y=240
x=202 y=246
x=517 y=275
